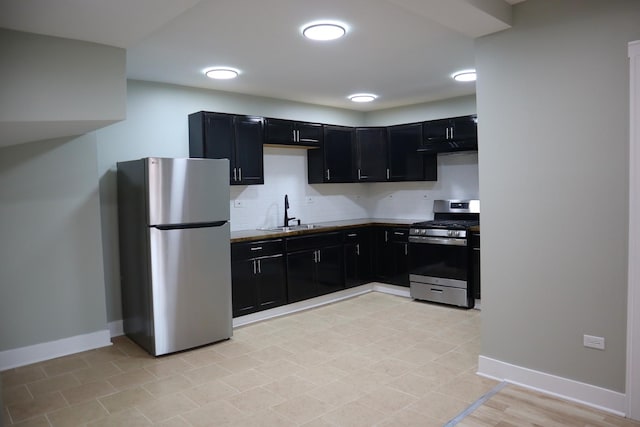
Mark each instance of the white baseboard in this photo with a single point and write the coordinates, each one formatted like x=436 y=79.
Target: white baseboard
x=116 y=328
x=302 y=305
x=586 y=394
x=386 y=288
x=49 y=350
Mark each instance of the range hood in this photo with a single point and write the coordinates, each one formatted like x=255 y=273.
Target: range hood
x=448 y=146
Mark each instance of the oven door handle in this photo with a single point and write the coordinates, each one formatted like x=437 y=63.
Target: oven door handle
x=438 y=240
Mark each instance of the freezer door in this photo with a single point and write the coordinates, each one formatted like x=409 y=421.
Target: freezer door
x=190 y=286
x=187 y=191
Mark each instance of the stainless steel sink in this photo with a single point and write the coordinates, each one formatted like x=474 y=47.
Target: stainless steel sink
x=294 y=227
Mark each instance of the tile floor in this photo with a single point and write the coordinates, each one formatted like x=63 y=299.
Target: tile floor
x=371 y=360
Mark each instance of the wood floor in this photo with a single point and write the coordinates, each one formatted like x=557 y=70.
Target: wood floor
x=518 y=407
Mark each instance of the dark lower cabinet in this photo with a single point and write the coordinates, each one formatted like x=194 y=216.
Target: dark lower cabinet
x=314 y=265
x=357 y=257
x=258 y=276
x=391 y=258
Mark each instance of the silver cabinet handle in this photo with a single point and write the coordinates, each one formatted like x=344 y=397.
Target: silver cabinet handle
x=476 y=249
x=358 y=249
x=359 y=176
x=319 y=260
x=234 y=175
x=447 y=133
x=315 y=256
x=294 y=135
x=451 y=132
x=239 y=174
x=259 y=267
x=256 y=248
x=298 y=135
x=328 y=175
x=406 y=249
x=386 y=236
x=351 y=235
x=387 y=173
x=254 y=266
x=399 y=233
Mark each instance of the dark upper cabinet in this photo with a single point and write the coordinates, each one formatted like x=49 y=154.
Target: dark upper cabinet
x=405 y=164
x=371 y=154
x=334 y=160
x=258 y=276
x=233 y=137
x=294 y=134
x=450 y=135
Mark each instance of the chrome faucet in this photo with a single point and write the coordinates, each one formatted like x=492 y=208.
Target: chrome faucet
x=286 y=214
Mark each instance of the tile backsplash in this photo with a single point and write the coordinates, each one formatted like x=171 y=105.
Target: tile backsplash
x=285 y=171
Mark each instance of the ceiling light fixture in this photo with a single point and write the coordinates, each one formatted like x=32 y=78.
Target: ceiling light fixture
x=362 y=97
x=324 y=31
x=221 y=73
x=464 y=76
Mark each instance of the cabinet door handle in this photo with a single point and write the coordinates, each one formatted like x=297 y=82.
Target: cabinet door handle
x=328 y=175
x=399 y=233
x=476 y=249
x=406 y=249
x=294 y=135
x=234 y=175
x=451 y=132
x=386 y=236
x=447 y=133
x=358 y=249
x=256 y=248
x=254 y=266
x=319 y=260
x=239 y=174
x=359 y=176
x=298 y=135
x=315 y=256
x=351 y=235
x=387 y=173
x=259 y=267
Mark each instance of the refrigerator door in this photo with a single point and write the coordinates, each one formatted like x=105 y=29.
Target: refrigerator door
x=187 y=191
x=190 y=286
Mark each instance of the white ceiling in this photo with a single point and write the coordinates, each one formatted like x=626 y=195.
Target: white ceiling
x=402 y=50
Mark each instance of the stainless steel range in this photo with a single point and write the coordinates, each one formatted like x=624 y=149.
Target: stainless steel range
x=440 y=258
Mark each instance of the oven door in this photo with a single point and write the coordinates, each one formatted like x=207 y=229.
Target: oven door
x=439 y=257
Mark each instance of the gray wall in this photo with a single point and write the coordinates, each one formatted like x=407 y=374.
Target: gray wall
x=460 y=106
x=51 y=271
x=552 y=95
x=54 y=87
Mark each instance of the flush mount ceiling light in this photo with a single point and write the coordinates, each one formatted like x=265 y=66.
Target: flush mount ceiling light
x=221 y=73
x=464 y=76
x=324 y=31
x=362 y=97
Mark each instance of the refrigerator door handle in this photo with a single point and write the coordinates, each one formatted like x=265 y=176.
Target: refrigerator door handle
x=195 y=225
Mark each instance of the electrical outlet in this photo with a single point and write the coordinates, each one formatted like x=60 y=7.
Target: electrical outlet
x=239 y=204
x=593 y=342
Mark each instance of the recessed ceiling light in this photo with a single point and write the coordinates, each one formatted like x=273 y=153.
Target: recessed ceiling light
x=464 y=76
x=324 y=31
x=221 y=73
x=362 y=97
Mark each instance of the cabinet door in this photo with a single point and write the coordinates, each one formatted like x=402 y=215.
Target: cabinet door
x=330 y=277
x=436 y=130
x=400 y=257
x=243 y=279
x=309 y=133
x=272 y=286
x=383 y=267
x=248 y=150
x=465 y=128
x=301 y=275
x=371 y=149
x=338 y=154
x=279 y=131
x=211 y=136
x=405 y=164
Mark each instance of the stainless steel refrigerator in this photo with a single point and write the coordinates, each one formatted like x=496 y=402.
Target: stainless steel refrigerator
x=175 y=261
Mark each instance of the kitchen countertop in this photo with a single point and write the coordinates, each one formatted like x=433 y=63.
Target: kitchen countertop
x=253 y=235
